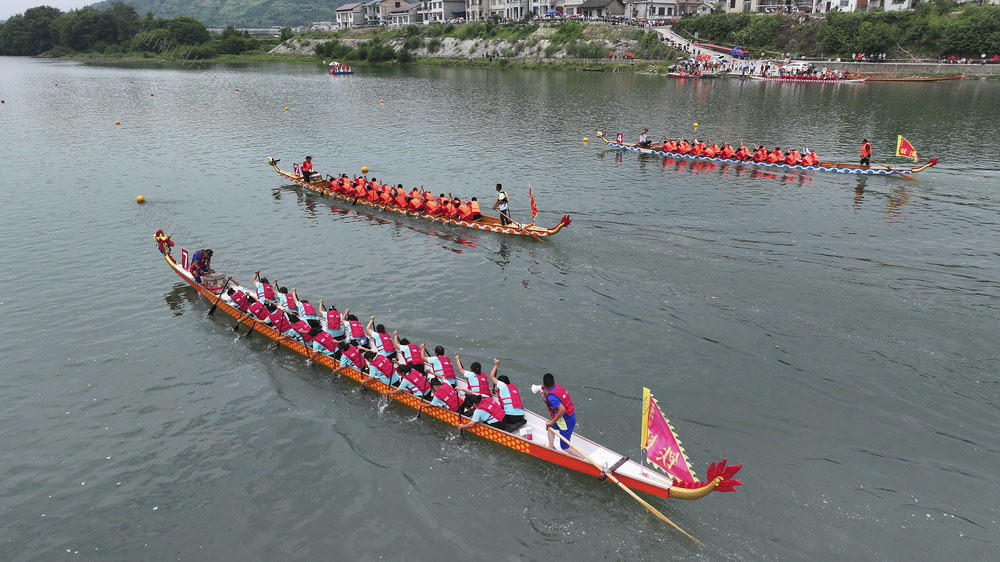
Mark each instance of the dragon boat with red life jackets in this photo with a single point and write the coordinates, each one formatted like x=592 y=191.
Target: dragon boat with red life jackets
x=809 y=79
x=875 y=170
x=914 y=78
x=485 y=222
x=529 y=439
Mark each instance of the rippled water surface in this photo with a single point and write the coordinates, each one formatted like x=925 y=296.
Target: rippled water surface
x=834 y=334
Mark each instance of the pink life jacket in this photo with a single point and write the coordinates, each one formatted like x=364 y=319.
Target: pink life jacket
x=333 y=321
x=279 y=321
x=415 y=358
x=258 y=310
x=240 y=298
x=492 y=407
x=268 y=292
x=384 y=366
x=357 y=331
x=354 y=355
x=447 y=394
x=514 y=401
x=307 y=309
x=418 y=380
x=563 y=397
x=385 y=341
x=447 y=370
x=290 y=302
x=326 y=340
x=482 y=384
x=303 y=327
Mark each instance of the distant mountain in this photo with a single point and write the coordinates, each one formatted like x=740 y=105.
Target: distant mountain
x=238 y=13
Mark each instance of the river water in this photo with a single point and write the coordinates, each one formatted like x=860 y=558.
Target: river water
x=834 y=334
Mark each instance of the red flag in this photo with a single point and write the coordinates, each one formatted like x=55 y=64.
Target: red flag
x=663 y=448
x=534 y=209
x=905 y=149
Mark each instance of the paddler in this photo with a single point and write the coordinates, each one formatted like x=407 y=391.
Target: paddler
x=413 y=382
x=486 y=409
x=307 y=168
x=475 y=380
x=464 y=212
x=445 y=395
x=380 y=340
x=331 y=321
x=474 y=207
x=509 y=398
x=561 y=409
x=866 y=153
x=409 y=353
x=644 y=138
x=502 y=205
x=201 y=264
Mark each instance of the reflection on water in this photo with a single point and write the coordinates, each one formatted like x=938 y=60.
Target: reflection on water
x=180 y=295
x=898 y=197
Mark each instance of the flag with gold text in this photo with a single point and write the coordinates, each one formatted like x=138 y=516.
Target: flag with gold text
x=663 y=448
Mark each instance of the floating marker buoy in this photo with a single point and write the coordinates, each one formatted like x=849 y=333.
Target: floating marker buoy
x=585 y=139
x=237 y=89
x=1 y=101
x=150 y=94
x=118 y=122
x=286 y=109
x=364 y=169
x=380 y=101
x=140 y=199
x=695 y=125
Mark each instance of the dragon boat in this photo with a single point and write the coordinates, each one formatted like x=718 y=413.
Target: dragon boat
x=656 y=150
x=530 y=439
x=914 y=78
x=485 y=222
x=809 y=80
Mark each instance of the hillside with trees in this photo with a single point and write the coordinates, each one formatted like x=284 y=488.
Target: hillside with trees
x=239 y=13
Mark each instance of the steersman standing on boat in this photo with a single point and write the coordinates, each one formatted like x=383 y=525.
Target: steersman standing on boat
x=561 y=409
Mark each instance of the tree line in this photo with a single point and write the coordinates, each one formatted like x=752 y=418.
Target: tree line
x=934 y=29
x=117 y=31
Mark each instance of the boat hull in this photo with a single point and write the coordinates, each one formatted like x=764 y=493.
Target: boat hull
x=809 y=80
x=630 y=473
x=491 y=224
x=821 y=167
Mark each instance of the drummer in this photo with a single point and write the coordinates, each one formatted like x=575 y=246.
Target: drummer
x=201 y=264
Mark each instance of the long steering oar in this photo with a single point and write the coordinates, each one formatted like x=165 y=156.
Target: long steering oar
x=211 y=311
x=531 y=234
x=899 y=173
x=645 y=504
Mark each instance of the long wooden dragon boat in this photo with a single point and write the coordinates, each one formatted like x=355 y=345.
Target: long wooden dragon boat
x=485 y=222
x=808 y=80
x=531 y=439
x=656 y=150
x=914 y=78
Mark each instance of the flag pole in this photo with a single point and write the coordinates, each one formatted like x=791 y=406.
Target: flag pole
x=645 y=504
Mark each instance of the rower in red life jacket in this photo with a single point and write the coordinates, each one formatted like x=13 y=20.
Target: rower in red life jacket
x=432 y=207
x=486 y=409
x=475 y=381
x=440 y=364
x=474 y=207
x=760 y=155
x=728 y=151
x=810 y=158
x=509 y=398
x=684 y=147
x=711 y=149
x=331 y=321
x=382 y=368
x=305 y=310
x=866 y=153
x=561 y=409
x=416 y=203
x=381 y=342
x=401 y=199
x=464 y=212
x=237 y=299
x=409 y=353
x=386 y=195
x=775 y=156
x=322 y=342
x=307 y=168
x=793 y=157
x=257 y=311
x=413 y=382
x=698 y=148
x=743 y=153
x=355 y=331
x=445 y=395
x=350 y=356
x=669 y=145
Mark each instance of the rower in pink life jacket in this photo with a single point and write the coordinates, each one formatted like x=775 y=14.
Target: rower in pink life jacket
x=408 y=353
x=382 y=368
x=440 y=364
x=355 y=331
x=488 y=410
x=413 y=382
x=475 y=381
x=265 y=291
x=381 y=342
x=445 y=395
x=509 y=398
x=331 y=321
x=304 y=309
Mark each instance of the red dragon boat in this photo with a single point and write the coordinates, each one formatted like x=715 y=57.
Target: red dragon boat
x=486 y=222
x=657 y=150
x=678 y=482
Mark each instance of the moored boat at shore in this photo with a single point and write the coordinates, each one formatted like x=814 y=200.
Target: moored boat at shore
x=656 y=150
x=914 y=78
x=492 y=224
x=809 y=79
x=530 y=439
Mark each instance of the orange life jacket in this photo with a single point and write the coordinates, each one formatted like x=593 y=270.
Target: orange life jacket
x=474 y=206
x=866 y=149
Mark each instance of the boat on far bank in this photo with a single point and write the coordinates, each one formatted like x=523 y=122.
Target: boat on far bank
x=914 y=78
x=809 y=79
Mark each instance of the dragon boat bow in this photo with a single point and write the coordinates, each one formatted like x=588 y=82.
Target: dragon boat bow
x=657 y=150
x=492 y=224
x=530 y=439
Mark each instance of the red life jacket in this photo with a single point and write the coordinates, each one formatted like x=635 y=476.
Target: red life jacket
x=356 y=330
x=268 y=292
x=415 y=357
x=492 y=407
x=384 y=366
x=418 y=380
x=326 y=340
x=866 y=149
x=258 y=310
x=290 y=302
x=303 y=327
x=333 y=319
x=483 y=384
x=447 y=370
x=240 y=298
x=386 y=341
x=447 y=394
x=514 y=401
x=354 y=355
x=279 y=321
x=563 y=397
x=307 y=309
x=670 y=146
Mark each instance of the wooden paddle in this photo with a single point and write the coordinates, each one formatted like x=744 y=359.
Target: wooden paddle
x=531 y=234
x=900 y=173
x=211 y=311
x=645 y=504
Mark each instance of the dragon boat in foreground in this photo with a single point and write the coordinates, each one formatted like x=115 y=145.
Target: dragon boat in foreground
x=809 y=79
x=492 y=224
x=663 y=450
x=656 y=150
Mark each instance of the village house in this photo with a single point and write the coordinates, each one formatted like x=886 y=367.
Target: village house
x=351 y=15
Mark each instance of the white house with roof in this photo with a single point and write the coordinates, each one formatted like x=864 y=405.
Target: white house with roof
x=652 y=9
x=351 y=15
x=405 y=14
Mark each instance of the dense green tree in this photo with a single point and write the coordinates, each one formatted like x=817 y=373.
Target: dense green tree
x=186 y=30
x=80 y=30
x=31 y=33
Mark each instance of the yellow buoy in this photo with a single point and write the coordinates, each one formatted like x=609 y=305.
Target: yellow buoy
x=140 y=199
x=695 y=125
x=585 y=139
x=364 y=169
x=380 y=101
x=118 y=122
x=286 y=109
